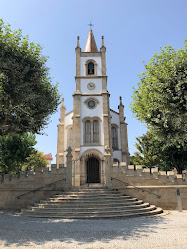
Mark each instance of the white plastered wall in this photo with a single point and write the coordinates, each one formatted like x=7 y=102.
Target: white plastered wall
x=84 y=83
x=96 y=112
x=83 y=62
x=116 y=120
x=85 y=111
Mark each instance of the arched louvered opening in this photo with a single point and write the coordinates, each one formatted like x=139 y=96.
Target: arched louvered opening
x=114 y=137
x=90 y=68
x=96 y=131
x=87 y=131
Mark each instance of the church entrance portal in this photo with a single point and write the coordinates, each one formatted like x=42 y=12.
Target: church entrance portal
x=93 y=170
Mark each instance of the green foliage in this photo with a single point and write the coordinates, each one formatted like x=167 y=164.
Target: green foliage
x=153 y=151
x=132 y=160
x=27 y=96
x=160 y=100
x=14 y=150
x=35 y=160
x=149 y=148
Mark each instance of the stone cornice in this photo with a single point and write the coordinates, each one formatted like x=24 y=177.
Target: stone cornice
x=90 y=94
x=92 y=77
x=90 y=54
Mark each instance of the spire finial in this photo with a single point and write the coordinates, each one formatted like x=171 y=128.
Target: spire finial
x=120 y=98
x=90 y=24
x=78 y=45
x=102 y=41
x=62 y=105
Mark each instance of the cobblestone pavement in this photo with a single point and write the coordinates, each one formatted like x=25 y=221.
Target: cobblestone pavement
x=162 y=232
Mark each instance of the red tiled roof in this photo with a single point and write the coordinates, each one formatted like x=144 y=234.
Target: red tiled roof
x=49 y=157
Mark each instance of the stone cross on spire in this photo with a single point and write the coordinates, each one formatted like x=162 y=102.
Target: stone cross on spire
x=90 y=25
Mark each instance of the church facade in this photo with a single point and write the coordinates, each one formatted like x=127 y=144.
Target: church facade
x=96 y=134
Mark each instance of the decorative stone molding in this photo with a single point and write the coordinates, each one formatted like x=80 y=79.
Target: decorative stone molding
x=91 y=119
x=91 y=99
x=86 y=68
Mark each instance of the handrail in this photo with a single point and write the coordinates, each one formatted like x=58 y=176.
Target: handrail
x=34 y=190
x=142 y=189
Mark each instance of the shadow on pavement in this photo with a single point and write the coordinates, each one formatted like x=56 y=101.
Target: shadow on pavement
x=22 y=231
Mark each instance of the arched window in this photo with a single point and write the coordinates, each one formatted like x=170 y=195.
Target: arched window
x=91 y=131
x=96 y=131
x=70 y=137
x=90 y=68
x=87 y=131
x=114 y=137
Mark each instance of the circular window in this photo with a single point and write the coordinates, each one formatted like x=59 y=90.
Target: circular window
x=91 y=104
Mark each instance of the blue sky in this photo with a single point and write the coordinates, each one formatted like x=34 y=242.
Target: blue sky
x=133 y=29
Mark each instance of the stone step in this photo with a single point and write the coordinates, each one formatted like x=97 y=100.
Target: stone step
x=90 y=213
x=89 y=194
x=77 y=197
x=95 y=216
x=83 y=209
x=87 y=204
x=90 y=201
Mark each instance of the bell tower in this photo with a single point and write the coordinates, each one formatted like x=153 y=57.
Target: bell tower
x=96 y=134
x=91 y=117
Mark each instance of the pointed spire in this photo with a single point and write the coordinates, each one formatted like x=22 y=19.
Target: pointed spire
x=90 y=43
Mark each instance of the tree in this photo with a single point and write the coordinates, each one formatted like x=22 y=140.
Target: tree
x=27 y=96
x=14 y=151
x=153 y=151
x=149 y=150
x=160 y=100
x=35 y=160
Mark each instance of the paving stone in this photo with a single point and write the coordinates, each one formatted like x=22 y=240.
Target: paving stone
x=157 y=232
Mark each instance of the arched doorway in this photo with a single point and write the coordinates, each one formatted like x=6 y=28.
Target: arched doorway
x=93 y=170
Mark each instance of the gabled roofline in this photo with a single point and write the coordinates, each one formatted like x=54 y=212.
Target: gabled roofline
x=68 y=113
x=114 y=111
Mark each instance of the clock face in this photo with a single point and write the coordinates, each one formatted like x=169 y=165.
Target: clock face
x=91 y=104
x=91 y=86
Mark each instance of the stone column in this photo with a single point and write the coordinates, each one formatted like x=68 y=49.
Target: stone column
x=107 y=163
x=61 y=136
x=123 y=134
x=103 y=59
x=69 y=178
x=78 y=53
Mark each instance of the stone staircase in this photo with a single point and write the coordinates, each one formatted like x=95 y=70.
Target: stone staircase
x=91 y=203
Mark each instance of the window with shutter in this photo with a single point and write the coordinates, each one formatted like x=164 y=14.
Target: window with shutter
x=90 y=68
x=96 y=131
x=114 y=138
x=88 y=132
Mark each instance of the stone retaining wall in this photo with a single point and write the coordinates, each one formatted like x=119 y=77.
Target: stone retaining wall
x=11 y=186
x=160 y=183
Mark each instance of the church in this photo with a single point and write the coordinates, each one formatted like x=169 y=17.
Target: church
x=95 y=134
